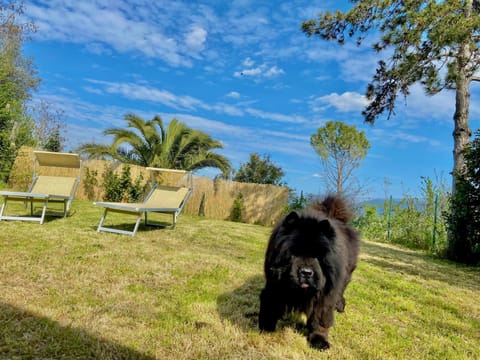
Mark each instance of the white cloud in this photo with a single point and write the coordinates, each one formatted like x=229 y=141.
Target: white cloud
x=346 y=102
x=439 y=107
x=277 y=117
x=248 y=62
x=390 y=136
x=185 y=103
x=196 y=38
x=233 y=95
x=143 y=92
x=262 y=71
x=248 y=72
x=121 y=26
x=273 y=71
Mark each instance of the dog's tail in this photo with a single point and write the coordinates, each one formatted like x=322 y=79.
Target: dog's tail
x=335 y=207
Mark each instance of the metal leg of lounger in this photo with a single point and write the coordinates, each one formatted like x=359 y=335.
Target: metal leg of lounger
x=4 y=205
x=174 y=221
x=137 y=223
x=102 y=219
x=44 y=210
x=118 y=231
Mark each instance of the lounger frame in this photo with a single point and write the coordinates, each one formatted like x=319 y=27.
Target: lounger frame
x=43 y=187
x=142 y=209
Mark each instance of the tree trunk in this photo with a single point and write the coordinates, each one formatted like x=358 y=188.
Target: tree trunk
x=461 y=132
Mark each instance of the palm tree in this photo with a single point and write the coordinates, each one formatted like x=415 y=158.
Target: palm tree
x=150 y=144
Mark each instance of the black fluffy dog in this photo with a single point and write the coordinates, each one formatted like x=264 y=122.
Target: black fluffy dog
x=309 y=261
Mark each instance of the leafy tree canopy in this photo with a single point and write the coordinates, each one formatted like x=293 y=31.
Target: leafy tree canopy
x=434 y=43
x=259 y=170
x=341 y=148
x=18 y=78
x=149 y=143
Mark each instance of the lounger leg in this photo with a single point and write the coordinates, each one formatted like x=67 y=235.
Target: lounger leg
x=4 y=205
x=102 y=219
x=137 y=223
x=44 y=210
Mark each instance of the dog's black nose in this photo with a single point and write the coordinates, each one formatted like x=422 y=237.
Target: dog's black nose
x=306 y=272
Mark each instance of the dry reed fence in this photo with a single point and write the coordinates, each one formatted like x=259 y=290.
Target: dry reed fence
x=262 y=204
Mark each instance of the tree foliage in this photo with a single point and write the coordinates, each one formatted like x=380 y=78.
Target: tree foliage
x=341 y=148
x=463 y=219
x=18 y=78
x=259 y=170
x=149 y=143
x=434 y=43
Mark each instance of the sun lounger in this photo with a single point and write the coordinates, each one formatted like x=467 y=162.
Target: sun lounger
x=161 y=199
x=47 y=189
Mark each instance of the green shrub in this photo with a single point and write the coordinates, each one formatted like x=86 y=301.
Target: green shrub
x=371 y=223
x=236 y=214
x=295 y=202
x=90 y=183
x=463 y=219
x=121 y=188
x=410 y=222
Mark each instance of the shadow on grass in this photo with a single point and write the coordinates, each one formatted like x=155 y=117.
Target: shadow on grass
x=24 y=335
x=141 y=228
x=409 y=262
x=241 y=305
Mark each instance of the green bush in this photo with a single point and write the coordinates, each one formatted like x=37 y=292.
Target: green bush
x=90 y=183
x=409 y=222
x=121 y=188
x=463 y=219
x=236 y=213
x=372 y=224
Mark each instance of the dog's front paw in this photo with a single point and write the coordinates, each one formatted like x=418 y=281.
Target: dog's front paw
x=318 y=342
x=340 y=305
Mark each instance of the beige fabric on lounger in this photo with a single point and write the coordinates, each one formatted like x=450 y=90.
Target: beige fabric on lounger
x=47 y=189
x=161 y=199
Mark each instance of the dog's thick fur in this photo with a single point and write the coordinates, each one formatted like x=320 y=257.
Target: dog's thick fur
x=308 y=264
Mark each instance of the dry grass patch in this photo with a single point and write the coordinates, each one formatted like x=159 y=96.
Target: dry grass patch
x=67 y=292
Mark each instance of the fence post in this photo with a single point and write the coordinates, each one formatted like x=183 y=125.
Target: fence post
x=389 y=218
x=435 y=222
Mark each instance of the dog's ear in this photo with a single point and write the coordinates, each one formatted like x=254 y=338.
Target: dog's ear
x=326 y=228
x=291 y=219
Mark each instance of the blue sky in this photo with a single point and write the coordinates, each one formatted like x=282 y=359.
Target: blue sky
x=241 y=71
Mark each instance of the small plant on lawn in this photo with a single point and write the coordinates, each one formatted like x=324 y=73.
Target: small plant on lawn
x=90 y=183
x=237 y=208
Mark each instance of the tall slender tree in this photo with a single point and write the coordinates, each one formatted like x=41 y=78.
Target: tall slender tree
x=341 y=148
x=149 y=143
x=434 y=43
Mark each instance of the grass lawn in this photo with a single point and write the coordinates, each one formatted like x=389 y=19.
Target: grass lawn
x=67 y=292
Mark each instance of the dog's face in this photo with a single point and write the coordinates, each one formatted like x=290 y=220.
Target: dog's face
x=300 y=253
x=306 y=274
